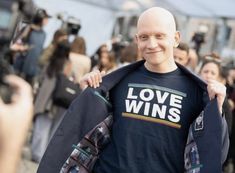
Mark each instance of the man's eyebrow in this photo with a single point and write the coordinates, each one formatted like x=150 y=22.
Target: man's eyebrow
x=141 y=34
x=161 y=33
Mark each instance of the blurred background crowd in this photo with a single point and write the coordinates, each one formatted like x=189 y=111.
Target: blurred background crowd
x=45 y=43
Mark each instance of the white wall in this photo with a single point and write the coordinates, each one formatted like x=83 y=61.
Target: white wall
x=97 y=23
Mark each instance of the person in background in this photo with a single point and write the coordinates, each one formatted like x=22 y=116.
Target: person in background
x=107 y=62
x=59 y=36
x=193 y=60
x=186 y=56
x=198 y=39
x=35 y=39
x=129 y=54
x=231 y=95
x=211 y=69
x=230 y=76
x=181 y=54
x=47 y=114
x=81 y=64
x=15 y=120
x=95 y=58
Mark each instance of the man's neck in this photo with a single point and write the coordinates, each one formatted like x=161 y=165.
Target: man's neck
x=161 y=68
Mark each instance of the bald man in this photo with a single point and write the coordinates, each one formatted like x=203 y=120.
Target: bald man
x=157 y=108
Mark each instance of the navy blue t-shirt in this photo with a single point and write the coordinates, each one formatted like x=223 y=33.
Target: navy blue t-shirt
x=152 y=115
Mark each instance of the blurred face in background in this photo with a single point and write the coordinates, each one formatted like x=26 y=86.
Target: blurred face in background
x=104 y=58
x=45 y=21
x=193 y=59
x=231 y=76
x=209 y=71
x=103 y=49
x=181 y=56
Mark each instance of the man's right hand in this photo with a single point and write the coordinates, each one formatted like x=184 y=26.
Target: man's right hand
x=15 y=121
x=92 y=79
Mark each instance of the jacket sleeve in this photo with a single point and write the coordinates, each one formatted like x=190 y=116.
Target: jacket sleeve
x=225 y=140
x=210 y=135
x=86 y=111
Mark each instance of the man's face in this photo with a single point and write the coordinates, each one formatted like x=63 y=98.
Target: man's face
x=45 y=21
x=155 y=40
x=181 y=56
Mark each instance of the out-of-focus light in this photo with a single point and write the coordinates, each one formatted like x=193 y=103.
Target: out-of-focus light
x=130 y=6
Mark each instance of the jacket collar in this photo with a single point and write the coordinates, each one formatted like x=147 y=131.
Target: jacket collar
x=193 y=76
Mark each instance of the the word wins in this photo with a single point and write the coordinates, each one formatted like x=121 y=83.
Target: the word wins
x=154 y=103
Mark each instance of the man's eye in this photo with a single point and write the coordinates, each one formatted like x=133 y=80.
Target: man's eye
x=143 y=37
x=159 y=36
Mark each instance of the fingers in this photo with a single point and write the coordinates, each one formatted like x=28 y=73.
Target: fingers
x=2 y=107
x=22 y=90
x=211 y=90
x=96 y=77
x=102 y=73
x=216 y=88
x=21 y=101
x=18 y=83
x=1 y=102
x=92 y=79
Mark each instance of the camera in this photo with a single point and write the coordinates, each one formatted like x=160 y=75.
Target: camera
x=6 y=90
x=11 y=11
x=73 y=26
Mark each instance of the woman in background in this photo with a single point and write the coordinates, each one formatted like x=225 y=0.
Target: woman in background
x=81 y=64
x=59 y=36
x=47 y=114
x=107 y=62
x=211 y=70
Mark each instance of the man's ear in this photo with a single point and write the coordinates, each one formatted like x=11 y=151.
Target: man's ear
x=136 y=38
x=177 y=39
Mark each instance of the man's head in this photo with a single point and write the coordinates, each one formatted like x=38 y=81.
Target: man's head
x=156 y=37
x=41 y=17
x=181 y=54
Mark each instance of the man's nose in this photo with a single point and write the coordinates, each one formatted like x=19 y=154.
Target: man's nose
x=152 y=43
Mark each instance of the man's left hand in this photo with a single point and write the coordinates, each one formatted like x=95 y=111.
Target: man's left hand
x=217 y=89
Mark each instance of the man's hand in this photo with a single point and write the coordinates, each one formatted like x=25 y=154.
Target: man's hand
x=19 y=112
x=19 y=47
x=216 y=88
x=15 y=120
x=92 y=79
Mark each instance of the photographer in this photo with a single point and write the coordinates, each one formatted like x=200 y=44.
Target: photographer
x=11 y=12
x=198 y=39
x=15 y=119
x=33 y=36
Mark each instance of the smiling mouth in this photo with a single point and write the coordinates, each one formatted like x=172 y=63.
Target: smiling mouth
x=153 y=52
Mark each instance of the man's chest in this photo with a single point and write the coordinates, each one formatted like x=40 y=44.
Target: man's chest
x=168 y=104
